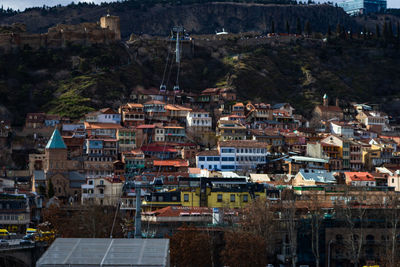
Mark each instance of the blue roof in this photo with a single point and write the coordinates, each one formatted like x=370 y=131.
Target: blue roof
x=56 y=141
x=320 y=176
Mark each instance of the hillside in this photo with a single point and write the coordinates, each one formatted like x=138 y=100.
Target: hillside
x=205 y=18
x=78 y=79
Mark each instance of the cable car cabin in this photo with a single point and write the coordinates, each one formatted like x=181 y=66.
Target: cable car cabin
x=176 y=88
x=163 y=88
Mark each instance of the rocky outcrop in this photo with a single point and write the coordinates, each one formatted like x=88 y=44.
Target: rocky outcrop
x=196 y=18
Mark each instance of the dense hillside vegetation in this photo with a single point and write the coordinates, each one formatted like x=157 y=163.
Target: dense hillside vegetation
x=200 y=17
x=78 y=79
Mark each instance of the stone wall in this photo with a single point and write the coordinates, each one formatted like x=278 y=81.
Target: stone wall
x=62 y=35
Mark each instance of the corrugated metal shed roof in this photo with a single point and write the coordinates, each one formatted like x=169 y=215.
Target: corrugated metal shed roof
x=106 y=252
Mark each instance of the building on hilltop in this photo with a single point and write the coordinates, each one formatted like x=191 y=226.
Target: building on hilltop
x=104 y=32
x=356 y=7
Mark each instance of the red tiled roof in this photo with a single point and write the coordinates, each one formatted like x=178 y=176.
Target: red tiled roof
x=146 y=126
x=173 y=211
x=154 y=102
x=359 y=176
x=158 y=149
x=175 y=163
x=108 y=111
x=210 y=91
x=243 y=143
x=208 y=153
x=330 y=108
x=89 y=125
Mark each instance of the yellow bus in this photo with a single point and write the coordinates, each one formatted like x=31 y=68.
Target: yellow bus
x=31 y=231
x=4 y=233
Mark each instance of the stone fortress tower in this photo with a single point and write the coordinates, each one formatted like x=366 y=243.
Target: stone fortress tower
x=112 y=23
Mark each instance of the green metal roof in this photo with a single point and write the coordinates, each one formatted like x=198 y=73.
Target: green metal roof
x=56 y=141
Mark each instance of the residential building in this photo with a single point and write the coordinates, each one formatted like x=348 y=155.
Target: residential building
x=102 y=191
x=159 y=133
x=394 y=180
x=132 y=114
x=238 y=109
x=102 y=130
x=374 y=120
x=342 y=145
x=296 y=163
x=360 y=179
x=286 y=107
x=342 y=129
x=155 y=110
x=177 y=113
x=99 y=157
x=274 y=139
x=230 y=130
x=356 y=157
x=14 y=212
x=312 y=177
x=233 y=155
x=175 y=134
x=126 y=139
x=134 y=161
x=198 y=121
x=105 y=115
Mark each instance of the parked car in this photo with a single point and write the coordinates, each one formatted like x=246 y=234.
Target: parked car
x=4 y=243
x=25 y=242
x=29 y=237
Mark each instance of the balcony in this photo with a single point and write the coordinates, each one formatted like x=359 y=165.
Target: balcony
x=92 y=195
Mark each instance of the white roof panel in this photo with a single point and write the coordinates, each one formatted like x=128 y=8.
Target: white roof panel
x=106 y=252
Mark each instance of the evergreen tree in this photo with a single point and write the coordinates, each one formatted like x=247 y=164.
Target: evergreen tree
x=365 y=32
x=390 y=30
x=377 y=31
x=329 y=30
x=338 y=30
x=298 y=27
x=385 y=31
x=287 y=27
x=307 y=28
x=398 y=31
x=273 y=26
x=50 y=191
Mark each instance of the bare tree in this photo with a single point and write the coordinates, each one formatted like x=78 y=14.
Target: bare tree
x=353 y=213
x=316 y=215
x=390 y=242
x=288 y=215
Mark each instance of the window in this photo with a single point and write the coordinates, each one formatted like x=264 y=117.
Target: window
x=232 y=197
x=175 y=198
x=219 y=198
x=186 y=197
x=392 y=180
x=245 y=198
x=201 y=158
x=101 y=182
x=101 y=191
